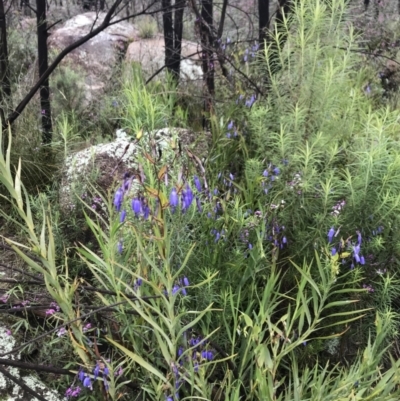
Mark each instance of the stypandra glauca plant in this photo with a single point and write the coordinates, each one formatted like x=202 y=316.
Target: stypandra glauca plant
x=338 y=152
x=144 y=329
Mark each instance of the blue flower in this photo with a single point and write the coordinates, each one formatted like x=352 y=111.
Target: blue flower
x=118 y=198
x=197 y=183
x=173 y=198
x=96 y=371
x=136 y=206
x=362 y=260
x=146 y=212
x=122 y=216
x=331 y=233
x=265 y=173
x=87 y=382
x=284 y=240
x=230 y=125
x=276 y=170
x=188 y=196
x=81 y=375
x=334 y=251
x=186 y=281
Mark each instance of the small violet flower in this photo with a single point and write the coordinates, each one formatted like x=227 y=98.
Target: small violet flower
x=173 y=198
x=331 y=233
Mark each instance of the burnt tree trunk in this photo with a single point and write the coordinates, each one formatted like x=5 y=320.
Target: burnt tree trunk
x=43 y=65
x=207 y=46
x=173 y=27
x=5 y=88
x=178 y=29
x=263 y=21
x=168 y=32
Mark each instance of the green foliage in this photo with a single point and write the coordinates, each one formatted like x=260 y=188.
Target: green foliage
x=147 y=27
x=144 y=106
x=279 y=281
x=68 y=91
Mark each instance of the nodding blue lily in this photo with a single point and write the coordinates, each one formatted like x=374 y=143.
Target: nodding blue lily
x=197 y=183
x=331 y=233
x=136 y=206
x=173 y=198
x=118 y=198
x=122 y=216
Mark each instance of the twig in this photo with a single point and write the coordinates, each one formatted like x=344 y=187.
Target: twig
x=21 y=384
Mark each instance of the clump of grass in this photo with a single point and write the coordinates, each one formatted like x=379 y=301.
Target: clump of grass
x=147 y=27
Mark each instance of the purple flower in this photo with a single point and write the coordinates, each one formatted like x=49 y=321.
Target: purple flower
x=96 y=371
x=87 y=382
x=120 y=247
x=188 y=196
x=197 y=183
x=72 y=392
x=359 y=237
x=334 y=251
x=86 y=327
x=210 y=355
x=106 y=384
x=230 y=125
x=122 y=216
x=173 y=198
x=118 y=198
x=136 y=206
x=61 y=332
x=106 y=372
x=276 y=170
x=81 y=375
x=331 y=233
x=362 y=260
x=146 y=212
x=284 y=240
x=175 y=289
x=50 y=312
x=186 y=282
x=265 y=173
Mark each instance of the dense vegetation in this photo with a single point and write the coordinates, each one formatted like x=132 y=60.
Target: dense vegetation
x=267 y=270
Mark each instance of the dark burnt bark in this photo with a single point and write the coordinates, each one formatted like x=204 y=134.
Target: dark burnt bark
x=43 y=66
x=5 y=88
x=207 y=46
x=263 y=20
x=173 y=27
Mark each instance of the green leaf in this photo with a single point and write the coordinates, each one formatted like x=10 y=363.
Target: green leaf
x=139 y=360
